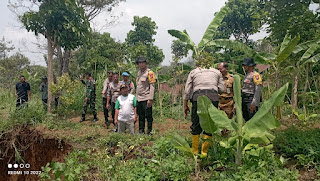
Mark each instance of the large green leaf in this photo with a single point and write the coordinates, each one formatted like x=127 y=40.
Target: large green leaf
x=181 y=144
x=238 y=101
x=207 y=124
x=213 y=26
x=232 y=44
x=308 y=53
x=183 y=36
x=285 y=42
x=305 y=46
x=263 y=120
x=314 y=59
x=288 y=49
x=219 y=118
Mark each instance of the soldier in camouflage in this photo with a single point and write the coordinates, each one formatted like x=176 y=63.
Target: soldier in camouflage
x=251 y=90
x=90 y=97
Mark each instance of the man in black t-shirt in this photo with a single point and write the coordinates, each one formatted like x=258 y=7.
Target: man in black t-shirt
x=23 y=92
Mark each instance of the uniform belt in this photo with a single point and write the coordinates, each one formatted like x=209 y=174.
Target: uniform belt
x=226 y=98
x=205 y=91
x=246 y=95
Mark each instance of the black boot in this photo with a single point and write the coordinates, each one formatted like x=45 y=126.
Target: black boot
x=83 y=118
x=95 y=119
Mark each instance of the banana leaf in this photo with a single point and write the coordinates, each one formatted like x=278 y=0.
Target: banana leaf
x=288 y=49
x=181 y=144
x=213 y=26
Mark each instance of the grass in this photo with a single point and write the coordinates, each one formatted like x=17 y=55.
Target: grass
x=113 y=156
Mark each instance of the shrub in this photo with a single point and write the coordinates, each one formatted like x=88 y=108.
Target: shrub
x=293 y=142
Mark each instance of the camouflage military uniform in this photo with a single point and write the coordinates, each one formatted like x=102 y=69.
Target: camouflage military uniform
x=226 y=102
x=91 y=97
x=251 y=93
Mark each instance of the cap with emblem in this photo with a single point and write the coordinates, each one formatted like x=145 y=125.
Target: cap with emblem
x=125 y=74
x=141 y=59
x=123 y=85
x=248 y=62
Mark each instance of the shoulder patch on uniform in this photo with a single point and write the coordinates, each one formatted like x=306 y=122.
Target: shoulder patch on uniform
x=151 y=77
x=257 y=79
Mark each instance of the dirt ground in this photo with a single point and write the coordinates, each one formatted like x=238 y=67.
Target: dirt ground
x=29 y=147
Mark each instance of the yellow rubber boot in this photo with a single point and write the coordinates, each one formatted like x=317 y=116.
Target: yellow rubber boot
x=195 y=144
x=205 y=145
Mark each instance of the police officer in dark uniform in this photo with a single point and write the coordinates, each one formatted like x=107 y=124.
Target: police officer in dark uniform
x=251 y=90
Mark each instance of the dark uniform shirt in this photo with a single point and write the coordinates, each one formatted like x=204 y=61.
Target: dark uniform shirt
x=252 y=85
x=22 y=90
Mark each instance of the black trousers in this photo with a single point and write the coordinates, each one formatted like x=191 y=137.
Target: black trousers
x=45 y=102
x=144 y=113
x=21 y=101
x=196 y=127
x=105 y=110
x=113 y=111
x=246 y=102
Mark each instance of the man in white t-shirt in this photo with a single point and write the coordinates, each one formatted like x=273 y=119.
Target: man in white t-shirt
x=126 y=111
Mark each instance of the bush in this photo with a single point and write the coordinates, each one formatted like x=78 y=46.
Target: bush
x=262 y=166
x=293 y=141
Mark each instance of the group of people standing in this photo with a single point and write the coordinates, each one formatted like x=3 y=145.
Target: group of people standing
x=126 y=109
x=217 y=85
x=118 y=96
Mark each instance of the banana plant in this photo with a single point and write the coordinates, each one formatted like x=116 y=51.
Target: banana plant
x=285 y=50
x=310 y=55
x=254 y=131
x=181 y=144
x=207 y=37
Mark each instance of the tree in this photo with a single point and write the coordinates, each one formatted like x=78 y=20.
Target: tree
x=140 y=41
x=11 y=68
x=63 y=23
x=4 y=48
x=144 y=30
x=179 y=49
x=293 y=17
x=243 y=19
x=100 y=53
x=92 y=9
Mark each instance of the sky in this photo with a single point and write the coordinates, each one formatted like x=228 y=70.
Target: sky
x=192 y=15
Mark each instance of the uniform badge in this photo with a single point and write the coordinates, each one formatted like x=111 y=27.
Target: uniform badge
x=151 y=77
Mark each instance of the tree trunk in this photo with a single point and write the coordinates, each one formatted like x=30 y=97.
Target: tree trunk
x=305 y=89
x=64 y=58
x=279 y=116
x=159 y=96
x=294 y=95
x=50 y=71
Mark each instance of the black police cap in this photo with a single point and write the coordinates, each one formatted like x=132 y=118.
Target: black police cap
x=141 y=59
x=249 y=62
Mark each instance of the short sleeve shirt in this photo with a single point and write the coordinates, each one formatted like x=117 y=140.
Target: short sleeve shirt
x=126 y=105
x=22 y=90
